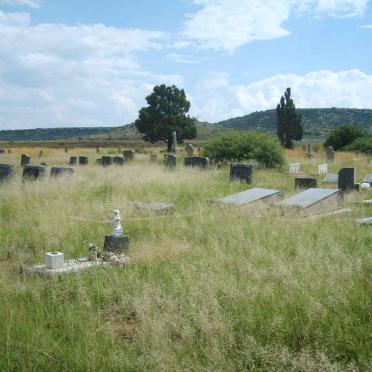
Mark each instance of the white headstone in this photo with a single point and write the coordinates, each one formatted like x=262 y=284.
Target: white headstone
x=294 y=168
x=322 y=168
x=54 y=260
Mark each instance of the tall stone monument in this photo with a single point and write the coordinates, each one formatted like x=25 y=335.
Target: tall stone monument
x=174 y=142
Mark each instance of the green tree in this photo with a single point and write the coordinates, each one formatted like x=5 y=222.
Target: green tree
x=344 y=135
x=167 y=111
x=289 y=126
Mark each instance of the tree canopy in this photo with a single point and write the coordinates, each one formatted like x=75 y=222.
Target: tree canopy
x=344 y=135
x=167 y=111
x=289 y=126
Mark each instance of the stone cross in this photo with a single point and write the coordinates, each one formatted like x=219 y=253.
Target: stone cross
x=294 y=168
x=322 y=168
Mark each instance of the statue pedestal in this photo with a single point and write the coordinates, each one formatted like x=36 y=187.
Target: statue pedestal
x=116 y=244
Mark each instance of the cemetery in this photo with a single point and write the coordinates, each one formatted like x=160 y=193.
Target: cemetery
x=177 y=261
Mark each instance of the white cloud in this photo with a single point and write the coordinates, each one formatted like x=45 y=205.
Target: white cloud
x=217 y=99
x=367 y=26
x=229 y=24
x=30 y=3
x=185 y=59
x=54 y=74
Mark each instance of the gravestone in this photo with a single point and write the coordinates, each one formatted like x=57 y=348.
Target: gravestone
x=128 y=155
x=241 y=172
x=189 y=148
x=60 y=171
x=250 y=196
x=41 y=154
x=118 y=160
x=331 y=178
x=66 y=149
x=170 y=160
x=116 y=242
x=156 y=207
x=153 y=157
x=83 y=160
x=305 y=182
x=98 y=150
x=368 y=179
x=330 y=154
x=106 y=161
x=309 y=151
x=25 y=159
x=294 y=168
x=2 y=151
x=33 y=172
x=315 y=201
x=73 y=160
x=174 y=142
x=346 y=179
x=54 y=260
x=6 y=172
x=322 y=169
x=196 y=161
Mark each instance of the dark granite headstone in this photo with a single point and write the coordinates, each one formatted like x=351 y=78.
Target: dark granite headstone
x=242 y=172
x=83 y=160
x=346 y=179
x=73 y=160
x=170 y=160
x=6 y=172
x=25 y=159
x=116 y=244
x=128 y=155
x=118 y=160
x=60 y=171
x=33 y=172
x=305 y=182
x=196 y=161
x=106 y=161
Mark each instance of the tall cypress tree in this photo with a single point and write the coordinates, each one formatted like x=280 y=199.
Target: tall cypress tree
x=289 y=126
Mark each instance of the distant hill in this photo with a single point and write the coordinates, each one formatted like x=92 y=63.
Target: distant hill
x=317 y=122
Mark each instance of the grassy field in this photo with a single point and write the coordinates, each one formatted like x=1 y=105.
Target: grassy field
x=210 y=289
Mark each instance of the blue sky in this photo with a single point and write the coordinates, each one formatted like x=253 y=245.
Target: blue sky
x=88 y=63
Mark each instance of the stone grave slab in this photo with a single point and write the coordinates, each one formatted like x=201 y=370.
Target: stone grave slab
x=196 y=161
x=156 y=207
x=368 y=179
x=60 y=171
x=250 y=196
x=365 y=221
x=6 y=172
x=315 y=201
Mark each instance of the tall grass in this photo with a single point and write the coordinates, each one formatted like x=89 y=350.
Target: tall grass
x=210 y=288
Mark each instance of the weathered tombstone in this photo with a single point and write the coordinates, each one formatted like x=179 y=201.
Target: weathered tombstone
x=118 y=160
x=309 y=151
x=189 y=148
x=128 y=155
x=25 y=159
x=346 y=179
x=331 y=178
x=60 y=171
x=83 y=160
x=294 y=168
x=73 y=160
x=250 y=196
x=116 y=242
x=196 y=161
x=41 y=154
x=305 y=182
x=174 y=142
x=368 y=179
x=241 y=172
x=170 y=160
x=322 y=169
x=32 y=172
x=330 y=154
x=106 y=161
x=315 y=201
x=6 y=172
x=153 y=157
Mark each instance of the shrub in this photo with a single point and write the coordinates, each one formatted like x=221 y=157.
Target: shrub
x=362 y=144
x=250 y=145
x=344 y=135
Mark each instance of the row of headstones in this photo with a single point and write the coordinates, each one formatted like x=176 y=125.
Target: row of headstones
x=32 y=172
x=170 y=161
x=105 y=160
x=330 y=152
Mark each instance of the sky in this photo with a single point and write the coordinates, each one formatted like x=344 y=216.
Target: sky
x=92 y=63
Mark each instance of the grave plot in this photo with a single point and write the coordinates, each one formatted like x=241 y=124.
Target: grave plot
x=314 y=201
x=251 y=196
